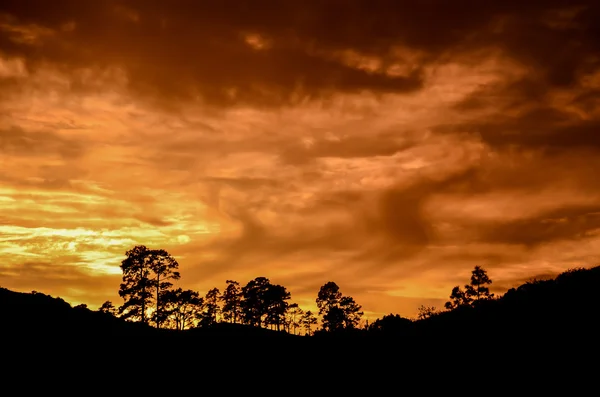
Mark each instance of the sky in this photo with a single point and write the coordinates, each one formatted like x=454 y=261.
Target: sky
x=389 y=146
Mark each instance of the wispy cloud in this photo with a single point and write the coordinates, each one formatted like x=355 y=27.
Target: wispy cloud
x=388 y=146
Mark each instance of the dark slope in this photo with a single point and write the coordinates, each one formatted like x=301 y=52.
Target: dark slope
x=537 y=328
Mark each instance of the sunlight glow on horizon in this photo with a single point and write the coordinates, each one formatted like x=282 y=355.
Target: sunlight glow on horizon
x=302 y=149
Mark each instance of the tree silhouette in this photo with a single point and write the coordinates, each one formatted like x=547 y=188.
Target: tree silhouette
x=264 y=303
x=476 y=291
x=183 y=307
x=210 y=308
x=351 y=310
x=164 y=267
x=232 y=302
x=275 y=301
x=253 y=302
x=108 y=308
x=146 y=277
x=390 y=323
x=294 y=317
x=307 y=321
x=137 y=287
x=458 y=298
x=328 y=297
x=426 y=312
x=338 y=311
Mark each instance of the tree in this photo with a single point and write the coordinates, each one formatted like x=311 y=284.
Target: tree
x=136 y=287
x=333 y=319
x=210 y=308
x=351 y=310
x=307 y=321
x=275 y=301
x=478 y=289
x=328 y=297
x=426 y=312
x=253 y=302
x=232 y=299
x=391 y=323
x=147 y=275
x=183 y=307
x=264 y=303
x=164 y=267
x=108 y=308
x=338 y=311
x=294 y=317
x=474 y=292
x=458 y=298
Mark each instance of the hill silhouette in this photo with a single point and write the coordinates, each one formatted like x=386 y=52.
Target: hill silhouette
x=542 y=324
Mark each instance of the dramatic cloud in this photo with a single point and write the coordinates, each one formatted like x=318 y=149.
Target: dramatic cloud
x=389 y=146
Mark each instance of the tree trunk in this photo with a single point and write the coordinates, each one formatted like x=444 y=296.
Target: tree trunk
x=157 y=301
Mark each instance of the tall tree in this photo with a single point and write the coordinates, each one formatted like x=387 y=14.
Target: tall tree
x=147 y=275
x=294 y=317
x=253 y=302
x=338 y=311
x=232 y=299
x=352 y=312
x=210 y=308
x=136 y=288
x=328 y=297
x=308 y=320
x=275 y=301
x=478 y=289
x=183 y=307
x=164 y=268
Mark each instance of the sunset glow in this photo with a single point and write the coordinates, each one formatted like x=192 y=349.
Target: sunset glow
x=390 y=153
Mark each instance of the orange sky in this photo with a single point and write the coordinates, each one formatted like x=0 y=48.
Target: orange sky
x=384 y=145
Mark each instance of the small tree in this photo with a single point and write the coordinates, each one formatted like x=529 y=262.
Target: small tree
x=474 y=292
x=478 y=289
x=308 y=321
x=108 y=308
x=426 y=312
x=294 y=319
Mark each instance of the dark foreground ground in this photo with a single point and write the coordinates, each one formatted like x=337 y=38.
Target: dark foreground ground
x=541 y=337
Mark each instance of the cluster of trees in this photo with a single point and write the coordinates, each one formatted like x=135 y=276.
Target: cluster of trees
x=150 y=297
x=473 y=293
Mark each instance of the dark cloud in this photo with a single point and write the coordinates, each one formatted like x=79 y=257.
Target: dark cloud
x=18 y=141
x=361 y=188
x=186 y=49
x=572 y=223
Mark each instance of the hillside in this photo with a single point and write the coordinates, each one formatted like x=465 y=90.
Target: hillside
x=539 y=319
